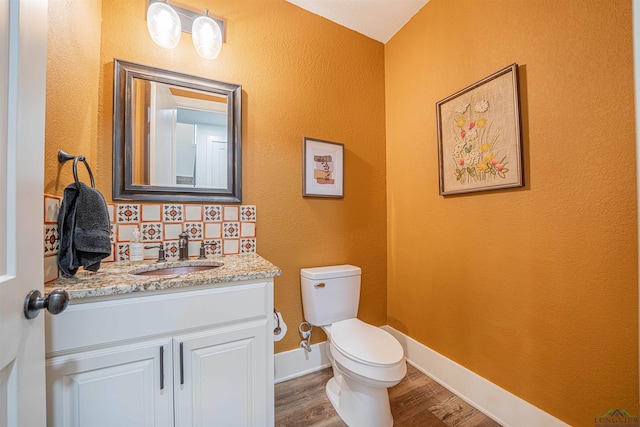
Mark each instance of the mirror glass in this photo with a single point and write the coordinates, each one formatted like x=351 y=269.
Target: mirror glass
x=176 y=137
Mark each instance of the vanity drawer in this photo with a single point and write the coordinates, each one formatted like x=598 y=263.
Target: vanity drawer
x=101 y=323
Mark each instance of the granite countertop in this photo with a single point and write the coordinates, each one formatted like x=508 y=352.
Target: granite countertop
x=115 y=278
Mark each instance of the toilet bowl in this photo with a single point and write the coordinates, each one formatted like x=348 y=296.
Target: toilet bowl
x=366 y=360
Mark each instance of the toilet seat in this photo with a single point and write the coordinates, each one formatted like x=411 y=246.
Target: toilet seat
x=366 y=343
x=367 y=351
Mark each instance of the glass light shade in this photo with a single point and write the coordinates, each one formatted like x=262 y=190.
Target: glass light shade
x=207 y=37
x=164 y=25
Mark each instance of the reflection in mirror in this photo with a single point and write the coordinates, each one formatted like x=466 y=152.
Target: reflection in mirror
x=179 y=136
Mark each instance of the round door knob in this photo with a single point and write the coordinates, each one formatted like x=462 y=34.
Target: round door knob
x=55 y=302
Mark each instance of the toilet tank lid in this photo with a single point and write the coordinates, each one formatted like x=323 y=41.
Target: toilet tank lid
x=330 y=272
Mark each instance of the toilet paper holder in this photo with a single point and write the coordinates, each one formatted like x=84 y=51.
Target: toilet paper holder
x=277 y=329
x=279 y=326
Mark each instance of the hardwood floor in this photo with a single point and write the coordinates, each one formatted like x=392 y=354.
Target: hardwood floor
x=417 y=401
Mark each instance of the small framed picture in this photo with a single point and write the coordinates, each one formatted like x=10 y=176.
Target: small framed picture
x=322 y=168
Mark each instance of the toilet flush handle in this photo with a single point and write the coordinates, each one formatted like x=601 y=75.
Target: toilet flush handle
x=319 y=285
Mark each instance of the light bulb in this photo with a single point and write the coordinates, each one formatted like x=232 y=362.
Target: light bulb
x=207 y=36
x=164 y=25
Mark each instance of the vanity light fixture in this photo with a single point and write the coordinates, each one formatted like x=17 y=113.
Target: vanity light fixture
x=165 y=23
x=207 y=37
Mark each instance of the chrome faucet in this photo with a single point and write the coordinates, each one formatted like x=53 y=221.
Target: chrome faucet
x=183 y=246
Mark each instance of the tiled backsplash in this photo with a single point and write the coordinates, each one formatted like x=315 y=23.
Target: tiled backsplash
x=224 y=229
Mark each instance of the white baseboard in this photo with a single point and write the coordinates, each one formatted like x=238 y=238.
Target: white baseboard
x=296 y=363
x=497 y=403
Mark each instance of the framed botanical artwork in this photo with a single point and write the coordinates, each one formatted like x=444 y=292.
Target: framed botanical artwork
x=479 y=140
x=322 y=168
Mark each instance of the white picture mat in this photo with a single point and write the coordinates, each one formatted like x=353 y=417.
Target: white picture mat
x=314 y=148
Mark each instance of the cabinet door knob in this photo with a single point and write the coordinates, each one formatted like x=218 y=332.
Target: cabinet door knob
x=55 y=302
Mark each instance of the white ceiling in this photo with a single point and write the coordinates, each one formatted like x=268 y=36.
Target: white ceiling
x=377 y=19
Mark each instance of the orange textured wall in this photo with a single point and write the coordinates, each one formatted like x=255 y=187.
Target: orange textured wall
x=73 y=72
x=535 y=289
x=301 y=76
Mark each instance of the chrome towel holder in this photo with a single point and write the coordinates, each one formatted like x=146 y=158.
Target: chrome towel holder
x=64 y=157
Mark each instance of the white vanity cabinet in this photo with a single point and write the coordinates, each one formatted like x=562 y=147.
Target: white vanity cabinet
x=197 y=357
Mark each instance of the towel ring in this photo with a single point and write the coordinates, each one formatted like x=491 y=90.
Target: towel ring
x=75 y=171
x=64 y=157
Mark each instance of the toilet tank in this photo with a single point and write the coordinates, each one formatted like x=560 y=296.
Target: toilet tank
x=330 y=294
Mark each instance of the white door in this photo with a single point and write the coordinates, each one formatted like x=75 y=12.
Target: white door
x=23 y=50
x=162 y=142
x=216 y=163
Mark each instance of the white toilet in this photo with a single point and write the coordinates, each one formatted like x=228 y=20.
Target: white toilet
x=366 y=360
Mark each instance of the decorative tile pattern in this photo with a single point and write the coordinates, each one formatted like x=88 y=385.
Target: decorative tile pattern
x=231 y=213
x=51 y=240
x=172 y=231
x=151 y=231
x=248 y=246
x=172 y=213
x=152 y=213
x=50 y=268
x=51 y=209
x=213 y=230
x=247 y=229
x=111 y=208
x=194 y=230
x=213 y=247
x=247 y=213
x=112 y=255
x=225 y=230
x=122 y=252
x=193 y=213
x=230 y=246
x=171 y=250
x=127 y=213
x=213 y=213
x=230 y=230
x=194 y=248
x=125 y=232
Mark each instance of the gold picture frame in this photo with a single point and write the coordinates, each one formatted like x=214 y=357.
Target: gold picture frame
x=479 y=138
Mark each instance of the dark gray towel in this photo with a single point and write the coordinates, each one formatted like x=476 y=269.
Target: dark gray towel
x=83 y=226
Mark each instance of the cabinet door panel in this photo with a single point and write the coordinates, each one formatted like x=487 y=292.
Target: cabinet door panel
x=114 y=387
x=224 y=378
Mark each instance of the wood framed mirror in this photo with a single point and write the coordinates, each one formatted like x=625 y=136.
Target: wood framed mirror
x=176 y=137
